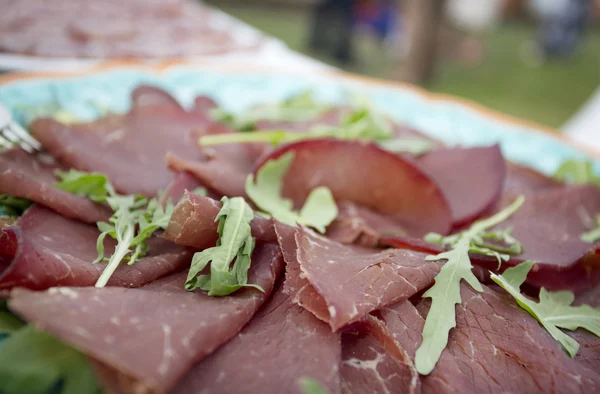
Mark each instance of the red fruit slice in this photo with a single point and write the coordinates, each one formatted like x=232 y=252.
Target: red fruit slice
x=369 y=176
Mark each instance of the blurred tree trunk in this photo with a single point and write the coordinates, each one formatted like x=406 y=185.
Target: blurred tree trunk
x=425 y=18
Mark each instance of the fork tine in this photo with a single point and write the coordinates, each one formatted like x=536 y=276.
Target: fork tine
x=4 y=142
x=23 y=135
x=9 y=140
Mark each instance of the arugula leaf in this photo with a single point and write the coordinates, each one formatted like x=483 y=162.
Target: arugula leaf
x=200 y=191
x=13 y=206
x=302 y=107
x=9 y=323
x=318 y=211
x=413 y=145
x=593 y=235
x=554 y=309
x=235 y=242
x=50 y=110
x=577 y=172
x=133 y=222
x=360 y=124
x=33 y=362
x=445 y=293
x=92 y=185
x=311 y=386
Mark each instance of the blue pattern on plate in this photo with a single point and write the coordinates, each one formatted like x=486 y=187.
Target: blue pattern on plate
x=446 y=120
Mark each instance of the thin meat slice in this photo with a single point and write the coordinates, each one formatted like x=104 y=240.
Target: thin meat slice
x=495 y=347
x=368 y=176
x=549 y=225
x=131 y=148
x=225 y=167
x=361 y=226
x=168 y=326
x=374 y=362
x=48 y=250
x=193 y=223
x=521 y=180
x=589 y=344
x=282 y=344
x=182 y=182
x=32 y=177
x=152 y=96
x=472 y=179
x=493 y=331
x=341 y=284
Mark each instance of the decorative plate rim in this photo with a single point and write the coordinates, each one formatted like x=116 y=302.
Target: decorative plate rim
x=165 y=66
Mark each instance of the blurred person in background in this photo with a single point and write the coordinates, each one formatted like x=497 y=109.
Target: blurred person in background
x=333 y=27
x=562 y=25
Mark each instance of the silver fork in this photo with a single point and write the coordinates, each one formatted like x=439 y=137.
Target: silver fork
x=13 y=135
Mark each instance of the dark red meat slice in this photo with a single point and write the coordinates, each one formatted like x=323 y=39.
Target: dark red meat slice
x=549 y=225
x=168 y=326
x=340 y=284
x=50 y=250
x=176 y=190
x=27 y=176
x=495 y=347
x=589 y=344
x=129 y=148
x=525 y=181
x=282 y=344
x=193 y=223
x=225 y=167
x=472 y=179
x=151 y=96
x=368 y=176
x=493 y=331
x=204 y=104
x=361 y=226
x=374 y=362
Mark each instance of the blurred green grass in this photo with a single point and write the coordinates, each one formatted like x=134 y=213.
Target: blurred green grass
x=548 y=94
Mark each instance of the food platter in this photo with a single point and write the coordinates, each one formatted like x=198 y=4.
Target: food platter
x=249 y=236
x=221 y=38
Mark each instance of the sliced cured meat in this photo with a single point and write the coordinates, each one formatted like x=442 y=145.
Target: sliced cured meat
x=521 y=180
x=176 y=190
x=368 y=176
x=131 y=148
x=495 y=347
x=340 y=284
x=361 y=226
x=193 y=223
x=549 y=225
x=374 y=362
x=491 y=331
x=183 y=181
x=48 y=250
x=28 y=176
x=204 y=104
x=472 y=179
x=171 y=327
x=151 y=96
x=225 y=167
x=282 y=344
x=589 y=344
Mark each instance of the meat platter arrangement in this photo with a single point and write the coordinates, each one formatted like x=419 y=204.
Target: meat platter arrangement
x=295 y=247
x=112 y=29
